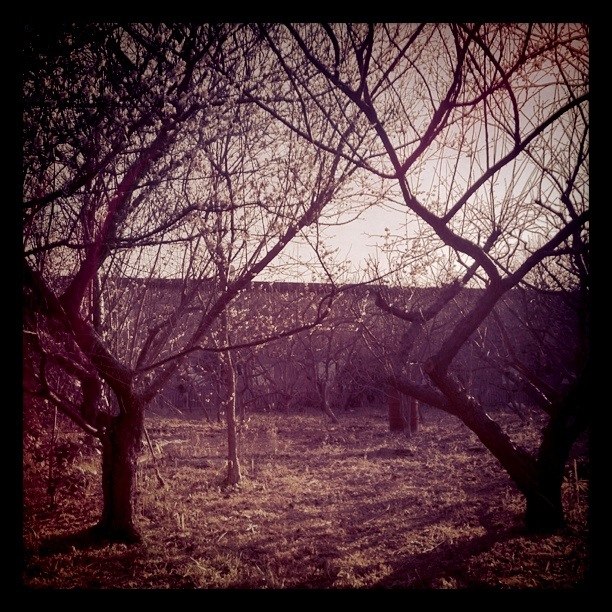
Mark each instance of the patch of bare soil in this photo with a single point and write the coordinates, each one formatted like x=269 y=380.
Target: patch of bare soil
x=321 y=506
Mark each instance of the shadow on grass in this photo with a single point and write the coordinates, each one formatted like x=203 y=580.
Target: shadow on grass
x=420 y=571
x=445 y=560
x=85 y=539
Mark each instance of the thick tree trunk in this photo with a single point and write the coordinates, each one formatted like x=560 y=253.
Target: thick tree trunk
x=396 y=418
x=120 y=448
x=544 y=511
x=518 y=463
x=539 y=480
x=544 y=504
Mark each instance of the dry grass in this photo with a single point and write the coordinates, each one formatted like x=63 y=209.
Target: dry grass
x=321 y=506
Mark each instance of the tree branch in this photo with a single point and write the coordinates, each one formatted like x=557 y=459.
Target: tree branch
x=510 y=156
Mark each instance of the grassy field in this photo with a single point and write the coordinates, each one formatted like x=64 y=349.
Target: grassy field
x=320 y=506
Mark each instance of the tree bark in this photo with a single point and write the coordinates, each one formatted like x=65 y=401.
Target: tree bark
x=329 y=412
x=325 y=403
x=120 y=435
x=233 y=464
x=545 y=505
x=544 y=510
x=120 y=448
x=519 y=464
x=414 y=415
x=540 y=480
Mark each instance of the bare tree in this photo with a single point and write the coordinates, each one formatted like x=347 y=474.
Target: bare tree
x=98 y=128
x=483 y=131
x=145 y=162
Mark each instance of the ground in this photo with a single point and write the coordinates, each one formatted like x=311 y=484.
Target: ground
x=320 y=506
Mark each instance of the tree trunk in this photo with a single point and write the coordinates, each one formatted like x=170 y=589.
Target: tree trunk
x=539 y=480
x=326 y=407
x=233 y=465
x=544 y=505
x=120 y=448
x=519 y=464
x=396 y=418
x=121 y=435
x=414 y=415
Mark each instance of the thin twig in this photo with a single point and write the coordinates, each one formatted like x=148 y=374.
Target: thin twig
x=576 y=484
x=377 y=515
x=161 y=481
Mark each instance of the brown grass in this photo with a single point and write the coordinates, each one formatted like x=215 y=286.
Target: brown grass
x=320 y=506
